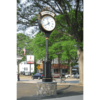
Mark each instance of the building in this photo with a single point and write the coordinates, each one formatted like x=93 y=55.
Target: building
x=24 y=67
x=64 y=69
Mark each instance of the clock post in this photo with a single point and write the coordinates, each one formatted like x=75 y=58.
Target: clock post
x=47 y=66
x=47 y=24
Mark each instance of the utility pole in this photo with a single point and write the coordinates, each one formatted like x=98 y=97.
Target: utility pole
x=18 y=70
x=18 y=63
x=30 y=69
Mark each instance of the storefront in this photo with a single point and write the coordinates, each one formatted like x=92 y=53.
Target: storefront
x=64 y=69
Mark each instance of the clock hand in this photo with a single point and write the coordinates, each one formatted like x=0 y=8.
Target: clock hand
x=47 y=24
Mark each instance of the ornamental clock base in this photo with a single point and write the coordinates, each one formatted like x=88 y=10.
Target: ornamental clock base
x=46 y=89
x=47 y=80
x=47 y=71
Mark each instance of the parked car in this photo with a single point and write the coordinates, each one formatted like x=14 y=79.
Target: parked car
x=56 y=75
x=37 y=76
x=63 y=74
x=67 y=75
x=22 y=73
x=73 y=75
x=27 y=73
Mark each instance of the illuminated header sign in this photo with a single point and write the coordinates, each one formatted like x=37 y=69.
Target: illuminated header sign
x=47 y=12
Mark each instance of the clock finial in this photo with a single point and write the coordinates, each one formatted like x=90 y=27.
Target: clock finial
x=47 y=8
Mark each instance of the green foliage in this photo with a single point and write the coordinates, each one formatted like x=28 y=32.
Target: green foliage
x=22 y=42
x=38 y=46
x=72 y=16
x=59 y=44
x=18 y=1
x=34 y=18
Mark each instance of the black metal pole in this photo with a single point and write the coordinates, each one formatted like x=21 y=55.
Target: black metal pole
x=46 y=56
x=47 y=66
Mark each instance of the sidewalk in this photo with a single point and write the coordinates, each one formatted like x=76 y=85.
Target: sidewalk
x=69 y=81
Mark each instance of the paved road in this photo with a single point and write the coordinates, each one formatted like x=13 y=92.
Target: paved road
x=28 y=91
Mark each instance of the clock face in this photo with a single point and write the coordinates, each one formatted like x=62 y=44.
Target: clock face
x=48 y=23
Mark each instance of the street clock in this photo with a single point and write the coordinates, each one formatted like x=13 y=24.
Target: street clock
x=46 y=22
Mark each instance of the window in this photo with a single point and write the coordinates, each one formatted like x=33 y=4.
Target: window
x=55 y=70
x=64 y=70
x=25 y=68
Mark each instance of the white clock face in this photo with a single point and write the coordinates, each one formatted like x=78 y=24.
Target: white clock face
x=48 y=23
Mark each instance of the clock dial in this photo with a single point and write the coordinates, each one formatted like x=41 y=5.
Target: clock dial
x=48 y=23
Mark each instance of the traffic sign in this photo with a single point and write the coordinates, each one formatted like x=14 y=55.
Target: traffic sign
x=38 y=67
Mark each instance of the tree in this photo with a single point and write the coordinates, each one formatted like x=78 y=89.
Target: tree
x=38 y=46
x=69 y=53
x=65 y=46
x=23 y=41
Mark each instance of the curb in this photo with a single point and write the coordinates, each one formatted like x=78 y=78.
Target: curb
x=57 y=83
x=77 y=84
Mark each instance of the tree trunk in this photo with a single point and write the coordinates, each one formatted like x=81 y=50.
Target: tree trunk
x=59 y=63
x=18 y=69
x=53 y=65
x=80 y=55
x=70 y=69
